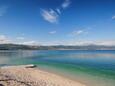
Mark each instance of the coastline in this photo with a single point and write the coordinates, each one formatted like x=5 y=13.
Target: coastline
x=29 y=75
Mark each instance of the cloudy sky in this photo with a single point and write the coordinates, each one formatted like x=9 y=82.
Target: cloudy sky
x=49 y=22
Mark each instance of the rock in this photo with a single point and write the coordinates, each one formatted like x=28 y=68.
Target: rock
x=22 y=66
x=30 y=66
x=1 y=85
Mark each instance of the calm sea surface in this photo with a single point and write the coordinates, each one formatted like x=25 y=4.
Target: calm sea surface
x=93 y=68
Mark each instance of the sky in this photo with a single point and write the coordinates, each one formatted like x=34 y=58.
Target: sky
x=57 y=22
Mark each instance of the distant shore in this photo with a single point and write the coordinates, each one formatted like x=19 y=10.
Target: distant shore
x=56 y=47
x=28 y=75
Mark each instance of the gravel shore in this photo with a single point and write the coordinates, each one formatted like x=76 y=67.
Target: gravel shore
x=24 y=76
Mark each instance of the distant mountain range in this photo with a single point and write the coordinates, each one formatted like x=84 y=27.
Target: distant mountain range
x=56 y=47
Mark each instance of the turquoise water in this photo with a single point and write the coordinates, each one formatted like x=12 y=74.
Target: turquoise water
x=93 y=68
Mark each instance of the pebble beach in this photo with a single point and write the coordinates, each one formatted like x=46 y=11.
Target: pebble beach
x=32 y=76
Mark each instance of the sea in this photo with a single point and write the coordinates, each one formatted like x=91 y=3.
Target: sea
x=90 y=67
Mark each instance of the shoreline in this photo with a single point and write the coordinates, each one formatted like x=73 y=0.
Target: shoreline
x=29 y=75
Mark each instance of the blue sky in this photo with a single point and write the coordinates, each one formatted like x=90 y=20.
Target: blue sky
x=50 y=22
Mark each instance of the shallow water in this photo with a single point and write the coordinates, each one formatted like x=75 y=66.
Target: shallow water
x=93 y=68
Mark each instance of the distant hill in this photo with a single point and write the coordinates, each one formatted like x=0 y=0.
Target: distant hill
x=14 y=47
x=58 y=47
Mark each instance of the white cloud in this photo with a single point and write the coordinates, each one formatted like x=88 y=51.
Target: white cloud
x=20 y=38
x=105 y=42
x=50 y=15
x=30 y=43
x=66 y=4
x=78 y=32
x=85 y=42
x=102 y=42
x=113 y=17
x=58 y=11
x=52 y=32
x=3 y=10
x=4 y=39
